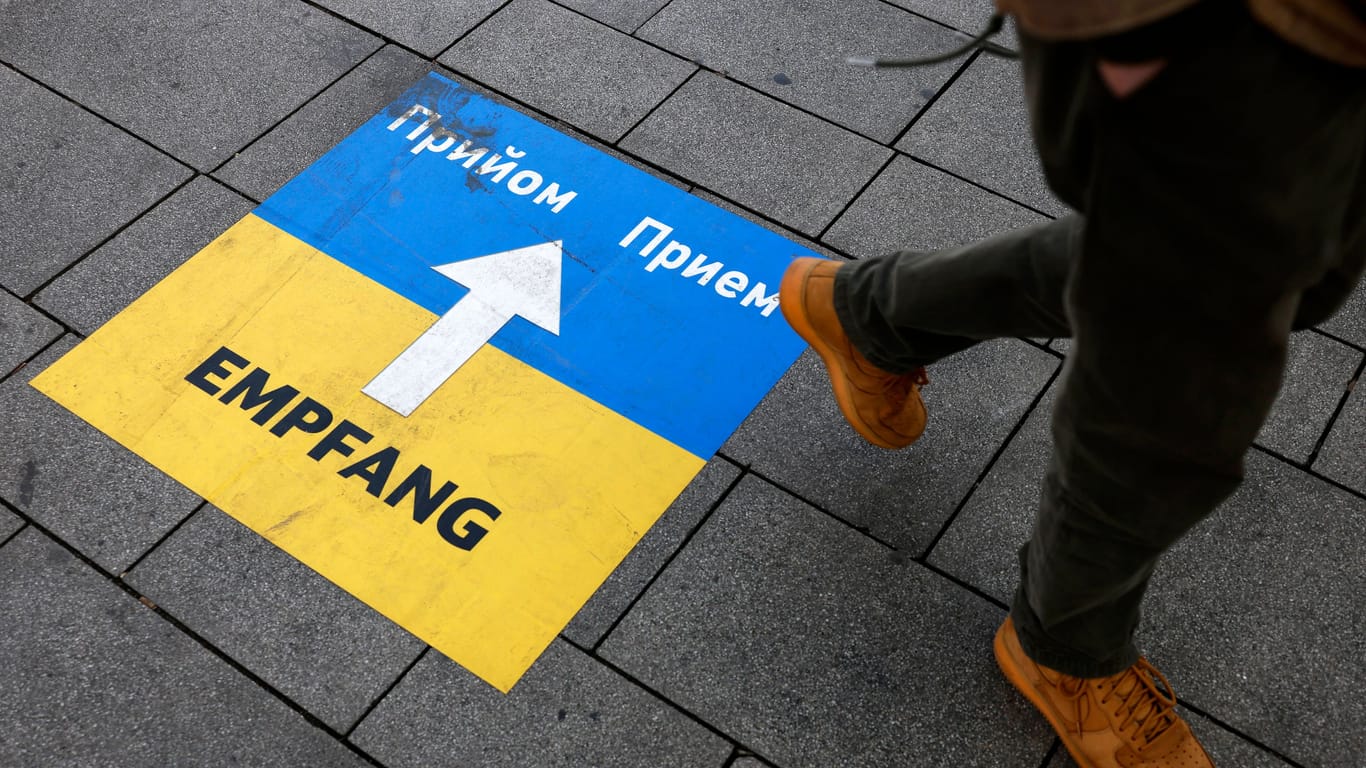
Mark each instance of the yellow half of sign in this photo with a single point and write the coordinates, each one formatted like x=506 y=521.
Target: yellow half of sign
x=573 y=485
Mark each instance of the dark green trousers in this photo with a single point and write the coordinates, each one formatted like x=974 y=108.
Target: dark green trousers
x=1219 y=207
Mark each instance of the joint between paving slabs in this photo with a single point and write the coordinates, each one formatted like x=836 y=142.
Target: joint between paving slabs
x=288 y=115
x=665 y=565
x=617 y=144
x=1314 y=473
x=386 y=40
x=760 y=217
x=633 y=680
x=163 y=539
x=1052 y=750
x=1236 y=732
x=21 y=366
x=725 y=75
x=235 y=190
x=129 y=590
x=853 y=199
x=91 y=112
x=865 y=532
x=957 y=73
x=40 y=310
x=742 y=754
x=981 y=186
x=991 y=464
x=1348 y=388
x=1345 y=342
x=385 y=693
x=897 y=554
x=1043 y=346
x=969 y=33
x=747 y=86
x=653 y=16
x=23 y=523
x=470 y=31
x=43 y=286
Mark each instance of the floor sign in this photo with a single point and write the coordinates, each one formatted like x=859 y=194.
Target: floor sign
x=458 y=366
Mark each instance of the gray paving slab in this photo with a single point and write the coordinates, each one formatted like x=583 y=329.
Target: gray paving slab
x=749 y=762
x=625 y=15
x=426 y=27
x=567 y=130
x=805 y=242
x=1257 y=615
x=198 y=80
x=967 y=15
x=293 y=145
x=95 y=678
x=9 y=523
x=813 y=645
x=1250 y=616
x=1350 y=321
x=758 y=152
x=90 y=293
x=23 y=332
x=569 y=66
x=88 y=490
x=1343 y=456
x=970 y=17
x=796 y=52
x=798 y=438
x=68 y=179
x=568 y=711
x=654 y=550
x=979 y=129
x=1224 y=748
x=980 y=546
x=911 y=206
x=304 y=636
x=1317 y=374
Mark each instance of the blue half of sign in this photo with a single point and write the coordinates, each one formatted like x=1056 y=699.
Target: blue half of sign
x=672 y=353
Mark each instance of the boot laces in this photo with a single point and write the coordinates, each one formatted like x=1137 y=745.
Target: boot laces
x=1139 y=708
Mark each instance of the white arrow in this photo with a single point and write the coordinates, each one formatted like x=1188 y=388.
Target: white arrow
x=524 y=282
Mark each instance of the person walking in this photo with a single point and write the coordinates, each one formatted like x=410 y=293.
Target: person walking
x=1214 y=153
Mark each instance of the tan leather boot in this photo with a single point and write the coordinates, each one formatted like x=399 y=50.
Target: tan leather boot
x=885 y=408
x=1127 y=720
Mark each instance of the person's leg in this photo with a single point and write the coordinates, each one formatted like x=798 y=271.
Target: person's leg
x=1324 y=299
x=1212 y=214
x=877 y=323
x=910 y=309
x=1216 y=220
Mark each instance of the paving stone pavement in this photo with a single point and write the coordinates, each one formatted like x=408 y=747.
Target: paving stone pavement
x=10 y=524
x=58 y=198
x=23 y=332
x=93 y=290
x=807 y=601
x=266 y=610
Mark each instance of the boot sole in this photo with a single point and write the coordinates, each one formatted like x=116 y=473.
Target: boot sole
x=794 y=284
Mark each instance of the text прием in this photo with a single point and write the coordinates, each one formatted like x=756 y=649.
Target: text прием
x=678 y=257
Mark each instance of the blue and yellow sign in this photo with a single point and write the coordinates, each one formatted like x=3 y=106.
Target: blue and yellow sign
x=458 y=367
